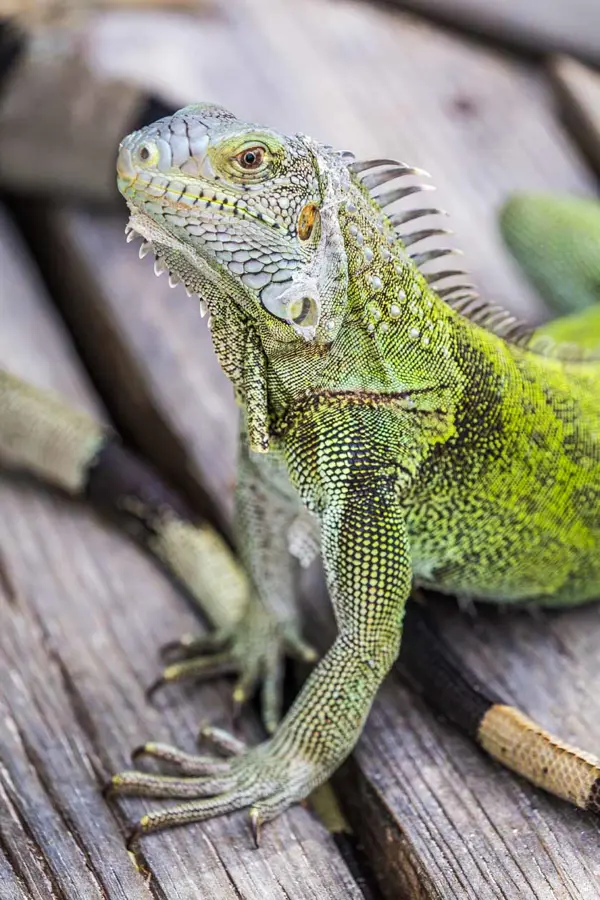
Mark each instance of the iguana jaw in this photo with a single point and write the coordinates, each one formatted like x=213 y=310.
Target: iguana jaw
x=183 y=264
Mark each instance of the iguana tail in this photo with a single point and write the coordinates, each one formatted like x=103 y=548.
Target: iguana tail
x=582 y=328
x=68 y=449
x=509 y=736
x=556 y=241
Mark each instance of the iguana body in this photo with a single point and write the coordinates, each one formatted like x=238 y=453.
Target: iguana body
x=425 y=447
x=406 y=439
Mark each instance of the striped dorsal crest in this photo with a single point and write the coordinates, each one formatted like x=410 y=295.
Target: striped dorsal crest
x=460 y=294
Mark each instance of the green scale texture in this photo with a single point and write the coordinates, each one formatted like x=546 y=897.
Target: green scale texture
x=406 y=441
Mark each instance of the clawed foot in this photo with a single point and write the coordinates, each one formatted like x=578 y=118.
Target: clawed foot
x=267 y=778
x=254 y=650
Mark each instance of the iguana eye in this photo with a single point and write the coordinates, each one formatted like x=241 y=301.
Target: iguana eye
x=251 y=157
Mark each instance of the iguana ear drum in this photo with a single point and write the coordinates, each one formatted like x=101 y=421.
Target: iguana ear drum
x=304 y=312
x=308 y=218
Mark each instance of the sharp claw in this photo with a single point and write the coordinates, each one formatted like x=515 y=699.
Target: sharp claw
x=154 y=687
x=245 y=685
x=239 y=696
x=242 y=691
x=133 y=839
x=255 y=823
x=310 y=655
x=242 y=784
x=299 y=648
x=141 y=750
x=108 y=791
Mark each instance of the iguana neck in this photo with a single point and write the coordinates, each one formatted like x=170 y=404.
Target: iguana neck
x=406 y=331
x=398 y=335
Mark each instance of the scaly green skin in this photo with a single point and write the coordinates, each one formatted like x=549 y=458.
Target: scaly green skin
x=425 y=448
x=555 y=240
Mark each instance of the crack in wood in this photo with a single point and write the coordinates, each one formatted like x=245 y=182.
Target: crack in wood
x=36 y=849
x=70 y=826
x=7 y=584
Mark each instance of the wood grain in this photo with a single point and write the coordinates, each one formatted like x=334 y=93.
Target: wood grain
x=68 y=101
x=83 y=612
x=436 y=817
x=578 y=89
x=567 y=26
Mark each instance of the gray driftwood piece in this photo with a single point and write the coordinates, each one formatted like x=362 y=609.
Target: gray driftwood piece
x=82 y=614
x=437 y=818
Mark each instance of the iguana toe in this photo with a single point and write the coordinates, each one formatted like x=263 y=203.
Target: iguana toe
x=268 y=778
x=255 y=650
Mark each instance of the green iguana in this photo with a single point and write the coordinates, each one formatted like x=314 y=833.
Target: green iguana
x=411 y=432
x=415 y=436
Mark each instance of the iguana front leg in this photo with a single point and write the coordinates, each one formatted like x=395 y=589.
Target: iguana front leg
x=365 y=552
x=256 y=645
x=42 y=435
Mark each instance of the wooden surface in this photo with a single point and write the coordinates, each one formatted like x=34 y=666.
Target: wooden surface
x=83 y=612
x=35 y=13
x=578 y=88
x=437 y=818
x=568 y=26
x=442 y=817
x=68 y=101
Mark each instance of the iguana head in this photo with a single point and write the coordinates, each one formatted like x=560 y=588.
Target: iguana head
x=242 y=215
x=285 y=240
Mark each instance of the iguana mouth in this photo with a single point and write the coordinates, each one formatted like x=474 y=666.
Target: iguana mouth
x=183 y=195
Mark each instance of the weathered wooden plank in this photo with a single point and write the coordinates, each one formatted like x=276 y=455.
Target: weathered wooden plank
x=578 y=88
x=68 y=101
x=437 y=818
x=34 y=10
x=82 y=613
x=560 y=26
x=479 y=830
